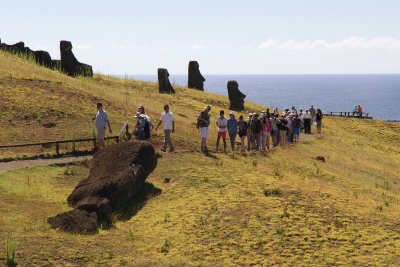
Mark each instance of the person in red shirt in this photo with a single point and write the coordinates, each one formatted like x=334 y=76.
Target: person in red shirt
x=360 y=110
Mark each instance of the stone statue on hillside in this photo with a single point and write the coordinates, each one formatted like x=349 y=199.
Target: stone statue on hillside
x=70 y=64
x=164 y=86
x=236 y=97
x=195 y=79
x=41 y=57
x=116 y=177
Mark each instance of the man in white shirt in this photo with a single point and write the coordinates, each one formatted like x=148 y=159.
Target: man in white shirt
x=222 y=122
x=169 y=126
x=101 y=124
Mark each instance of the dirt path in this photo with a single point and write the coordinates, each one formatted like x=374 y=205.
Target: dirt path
x=30 y=163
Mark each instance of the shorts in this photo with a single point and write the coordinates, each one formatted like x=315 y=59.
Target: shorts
x=204 y=132
x=319 y=122
x=296 y=131
x=223 y=134
x=266 y=134
x=101 y=133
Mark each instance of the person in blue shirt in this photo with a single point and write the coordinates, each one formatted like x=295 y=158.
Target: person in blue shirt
x=232 y=126
x=139 y=128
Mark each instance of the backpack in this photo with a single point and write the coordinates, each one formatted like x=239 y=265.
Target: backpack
x=146 y=127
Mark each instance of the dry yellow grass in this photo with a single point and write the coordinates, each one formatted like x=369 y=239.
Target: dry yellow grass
x=213 y=212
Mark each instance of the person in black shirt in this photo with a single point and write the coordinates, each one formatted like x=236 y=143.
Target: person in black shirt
x=256 y=131
x=318 y=119
x=203 y=121
x=283 y=129
x=242 y=132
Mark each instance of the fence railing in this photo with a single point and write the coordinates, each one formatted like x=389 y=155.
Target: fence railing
x=349 y=114
x=57 y=143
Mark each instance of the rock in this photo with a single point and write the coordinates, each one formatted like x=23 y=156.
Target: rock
x=70 y=64
x=195 y=79
x=164 y=86
x=321 y=158
x=236 y=97
x=75 y=221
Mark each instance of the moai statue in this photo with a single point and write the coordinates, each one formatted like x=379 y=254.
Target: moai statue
x=195 y=79
x=236 y=97
x=164 y=86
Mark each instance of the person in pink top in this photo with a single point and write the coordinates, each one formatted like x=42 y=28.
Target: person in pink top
x=266 y=132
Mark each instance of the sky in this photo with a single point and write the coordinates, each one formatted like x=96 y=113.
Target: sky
x=225 y=37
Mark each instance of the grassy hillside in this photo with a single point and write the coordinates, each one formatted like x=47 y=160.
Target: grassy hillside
x=277 y=208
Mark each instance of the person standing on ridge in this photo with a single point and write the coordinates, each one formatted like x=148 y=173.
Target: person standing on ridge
x=319 y=117
x=232 y=129
x=169 y=126
x=101 y=124
x=242 y=132
x=312 y=112
x=221 y=122
x=203 y=121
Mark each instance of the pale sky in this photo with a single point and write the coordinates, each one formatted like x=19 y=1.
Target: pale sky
x=225 y=37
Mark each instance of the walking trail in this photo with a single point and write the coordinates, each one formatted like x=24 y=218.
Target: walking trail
x=17 y=164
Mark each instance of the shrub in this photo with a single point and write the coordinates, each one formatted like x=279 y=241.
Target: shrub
x=11 y=248
x=272 y=191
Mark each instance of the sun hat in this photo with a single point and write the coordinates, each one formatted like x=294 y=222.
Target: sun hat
x=250 y=114
x=138 y=114
x=232 y=113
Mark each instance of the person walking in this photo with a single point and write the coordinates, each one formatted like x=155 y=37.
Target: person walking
x=318 y=120
x=203 y=121
x=249 y=134
x=256 y=130
x=312 y=112
x=102 y=121
x=232 y=129
x=307 y=122
x=169 y=127
x=221 y=122
x=144 y=120
x=242 y=125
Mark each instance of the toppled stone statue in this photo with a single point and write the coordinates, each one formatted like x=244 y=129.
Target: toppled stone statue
x=70 y=64
x=164 y=86
x=40 y=56
x=236 y=97
x=195 y=79
x=117 y=175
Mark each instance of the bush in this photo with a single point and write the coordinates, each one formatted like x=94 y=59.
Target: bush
x=272 y=191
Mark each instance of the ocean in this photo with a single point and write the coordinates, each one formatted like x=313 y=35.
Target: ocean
x=378 y=94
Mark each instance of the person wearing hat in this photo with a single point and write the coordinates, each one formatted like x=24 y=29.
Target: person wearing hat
x=250 y=122
x=203 y=121
x=144 y=120
x=221 y=122
x=139 y=128
x=102 y=121
x=232 y=129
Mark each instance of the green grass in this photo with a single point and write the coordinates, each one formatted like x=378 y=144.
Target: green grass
x=214 y=210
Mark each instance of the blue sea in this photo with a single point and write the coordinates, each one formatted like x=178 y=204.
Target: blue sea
x=378 y=94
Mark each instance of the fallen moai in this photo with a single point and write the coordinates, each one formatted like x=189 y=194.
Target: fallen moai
x=68 y=63
x=164 y=86
x=116 y=176
x=236 y=97
x=195 y=79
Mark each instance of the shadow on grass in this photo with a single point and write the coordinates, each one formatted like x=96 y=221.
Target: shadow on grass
x=132 y=207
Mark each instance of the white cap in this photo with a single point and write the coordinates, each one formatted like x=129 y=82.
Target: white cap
x=232 y=113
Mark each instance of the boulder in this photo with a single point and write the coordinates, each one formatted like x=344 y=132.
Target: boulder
x=195 y=79
x=70 y=64
x=116 y=176
x=236 y=97
x=164 y=86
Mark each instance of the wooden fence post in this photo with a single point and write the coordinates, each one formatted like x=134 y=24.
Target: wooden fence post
x=58 y=148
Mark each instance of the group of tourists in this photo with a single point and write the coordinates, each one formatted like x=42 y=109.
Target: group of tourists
x=262 y=130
